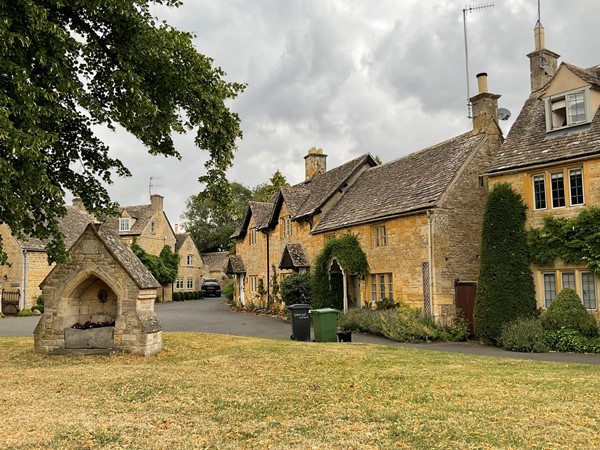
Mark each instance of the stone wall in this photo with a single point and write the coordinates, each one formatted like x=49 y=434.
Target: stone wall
x=195 y=271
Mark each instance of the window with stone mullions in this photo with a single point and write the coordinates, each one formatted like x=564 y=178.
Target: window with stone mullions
x=576 y=186
x=539 y=191
x=588 y=290
x=549 y=288
x=557 y=184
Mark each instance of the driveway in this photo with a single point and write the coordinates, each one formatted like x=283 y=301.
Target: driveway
x=213 y=316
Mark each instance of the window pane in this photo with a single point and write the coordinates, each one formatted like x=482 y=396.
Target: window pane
x=558 y=189
x=373 y=287
x=588 y=290
x=568 y=280
x=381 y=287
x=390 y=286
x=190 y=283
x=376 y=236
x=576 y=184
x=549 y=288
x=383 y=236
x=539 y=191
x=576 y=107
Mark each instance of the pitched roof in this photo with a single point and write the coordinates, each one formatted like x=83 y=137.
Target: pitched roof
x=235 y=265
x=414 y=182
x=142 y=215
x=590 y=75
x=126 y=258
x=215 y=261
x=71 y=226
x=529 y=144
x=293 y=257
x=180 y=240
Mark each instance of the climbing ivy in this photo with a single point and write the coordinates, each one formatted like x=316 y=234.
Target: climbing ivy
x=164 y=267
x=575 y=240
x=326 y=290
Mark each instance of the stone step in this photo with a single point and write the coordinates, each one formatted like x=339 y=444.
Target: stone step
x=83 y=351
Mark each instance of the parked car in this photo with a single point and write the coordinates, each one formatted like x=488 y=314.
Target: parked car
x=210 y=287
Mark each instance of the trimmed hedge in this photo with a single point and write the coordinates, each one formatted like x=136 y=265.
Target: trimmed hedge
x=296 y=289
x=567 y=312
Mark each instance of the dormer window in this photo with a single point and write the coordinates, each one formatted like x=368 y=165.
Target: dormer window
x=566 y=110
x=124 y=224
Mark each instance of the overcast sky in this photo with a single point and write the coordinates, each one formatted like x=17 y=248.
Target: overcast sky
x=351 y=76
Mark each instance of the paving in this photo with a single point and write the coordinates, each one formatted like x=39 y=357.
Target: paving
x=213 y=316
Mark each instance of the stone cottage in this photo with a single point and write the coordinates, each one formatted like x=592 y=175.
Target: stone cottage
x=418 y=219
x=551 y=157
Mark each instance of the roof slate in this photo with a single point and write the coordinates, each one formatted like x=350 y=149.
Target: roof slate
x=235 y=265
x=528 y=143
x=215 y=261
x=408 y=184
x=142 y=215
x=293 y=257
x=180 y=240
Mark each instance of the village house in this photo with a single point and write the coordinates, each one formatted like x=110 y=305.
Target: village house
x=551 y=157
x=215 y=264
x=418 y=219
x=28 y=260
x=191 y=267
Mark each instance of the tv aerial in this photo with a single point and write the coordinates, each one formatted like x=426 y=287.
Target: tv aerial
x=151 y=184
x=470 y=9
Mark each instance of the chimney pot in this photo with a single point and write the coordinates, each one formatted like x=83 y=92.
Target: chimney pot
x=315 y=162
x=156 y=202
x=482 y=82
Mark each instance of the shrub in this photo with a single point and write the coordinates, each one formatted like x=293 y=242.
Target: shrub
x=505 y=291
x=25 y=312
x=386 y=303
x=403 y=324
x=296 y=289
x=567 y=340
x=229 y=290
x=524 y=335
x=567 y=312
x=176 y=296
x=158 y=299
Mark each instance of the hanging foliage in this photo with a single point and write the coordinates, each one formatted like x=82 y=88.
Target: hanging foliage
x=327 y=291
x=164 y=267
x=575 y=240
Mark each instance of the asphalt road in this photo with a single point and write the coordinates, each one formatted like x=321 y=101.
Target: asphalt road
x=213 y=316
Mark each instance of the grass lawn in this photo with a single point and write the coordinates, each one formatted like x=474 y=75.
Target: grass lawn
x=219 y=392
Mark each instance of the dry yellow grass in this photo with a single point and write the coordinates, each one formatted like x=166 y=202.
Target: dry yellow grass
x=220 y=392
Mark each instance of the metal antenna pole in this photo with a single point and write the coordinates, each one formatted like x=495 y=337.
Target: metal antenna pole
x=465 y=10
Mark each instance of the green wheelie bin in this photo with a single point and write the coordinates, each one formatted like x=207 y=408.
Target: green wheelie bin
x=325 y=324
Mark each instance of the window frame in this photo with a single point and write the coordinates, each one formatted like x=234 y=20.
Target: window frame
x=153 y=227
x=190 y=283
x=124 y=224
x=559 y=176
x=593 y=284
x=179 y=283
x=562 y=280
x=189 y=261
x=253 y=236
x=547 y=301
x=381 y=286
x=566 y=99
x=543 y=191
x=580 y=170
x=253 y=283
x=379 y=236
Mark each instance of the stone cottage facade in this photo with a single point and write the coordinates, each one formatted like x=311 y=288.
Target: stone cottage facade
x=418 y=219
x=191 y=266
x=102 y=282
x=552 y=159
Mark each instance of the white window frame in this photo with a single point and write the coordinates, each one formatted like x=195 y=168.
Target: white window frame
x=547 y=301
x=593 y=307
x=253 y=281
x=379 y=236
x=286 y=227
x=189 y=260
x=558 y=175
x=179 y=283
x=124 y=224
x=252 y=236
x=563 y=100
x=562 y=280
x=190 y=283
x=153 y=227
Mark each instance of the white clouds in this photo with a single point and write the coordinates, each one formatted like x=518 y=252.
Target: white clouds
x=385 y=77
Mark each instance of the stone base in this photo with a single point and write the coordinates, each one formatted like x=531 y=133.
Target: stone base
x=84 y=351
x=93 y=338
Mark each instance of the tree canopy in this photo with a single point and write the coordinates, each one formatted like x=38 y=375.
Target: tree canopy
x=264 y=192
x=210 y=227
x=68 y=67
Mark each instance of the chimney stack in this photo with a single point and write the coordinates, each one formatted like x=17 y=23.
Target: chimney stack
x=484 y=107
x=78 y=203
x=156 y=202
x=542 y=62
x=315 y=162
x=176 y=228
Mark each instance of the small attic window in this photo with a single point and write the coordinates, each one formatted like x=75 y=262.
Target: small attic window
x=567 y=110
x=124 y=224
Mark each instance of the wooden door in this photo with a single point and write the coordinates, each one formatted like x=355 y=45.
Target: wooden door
x=465 y=300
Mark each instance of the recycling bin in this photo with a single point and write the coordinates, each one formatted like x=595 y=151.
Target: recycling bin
x=300 y=322
x=325 y=324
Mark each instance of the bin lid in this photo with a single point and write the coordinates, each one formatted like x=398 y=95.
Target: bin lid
x=325 y=311
x=299 y=306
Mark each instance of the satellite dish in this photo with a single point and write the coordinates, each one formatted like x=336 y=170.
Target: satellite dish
x=503 y=114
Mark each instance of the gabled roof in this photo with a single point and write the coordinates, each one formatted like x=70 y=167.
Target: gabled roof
x=71 y=226
x=235 y=265
x=409 y=184
x=215 y=261
x=293 y=257
x=142 y=215
x=590 y=75
x=529 y=144
x=180 y=239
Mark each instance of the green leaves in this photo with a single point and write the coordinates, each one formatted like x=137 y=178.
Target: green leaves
x=66 y=67
x=164 y=267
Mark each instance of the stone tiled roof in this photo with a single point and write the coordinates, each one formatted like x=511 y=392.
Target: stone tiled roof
x=528 y=143
x=320 y=188
x=590 y=75
x=123 y=254
x=72 y=225
x=261 y=211
x=142 y=215
x=294 y=197
x=293 y=257
x=215 y=261
x=235 y=265
x=180 y=240
x=414 y=182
